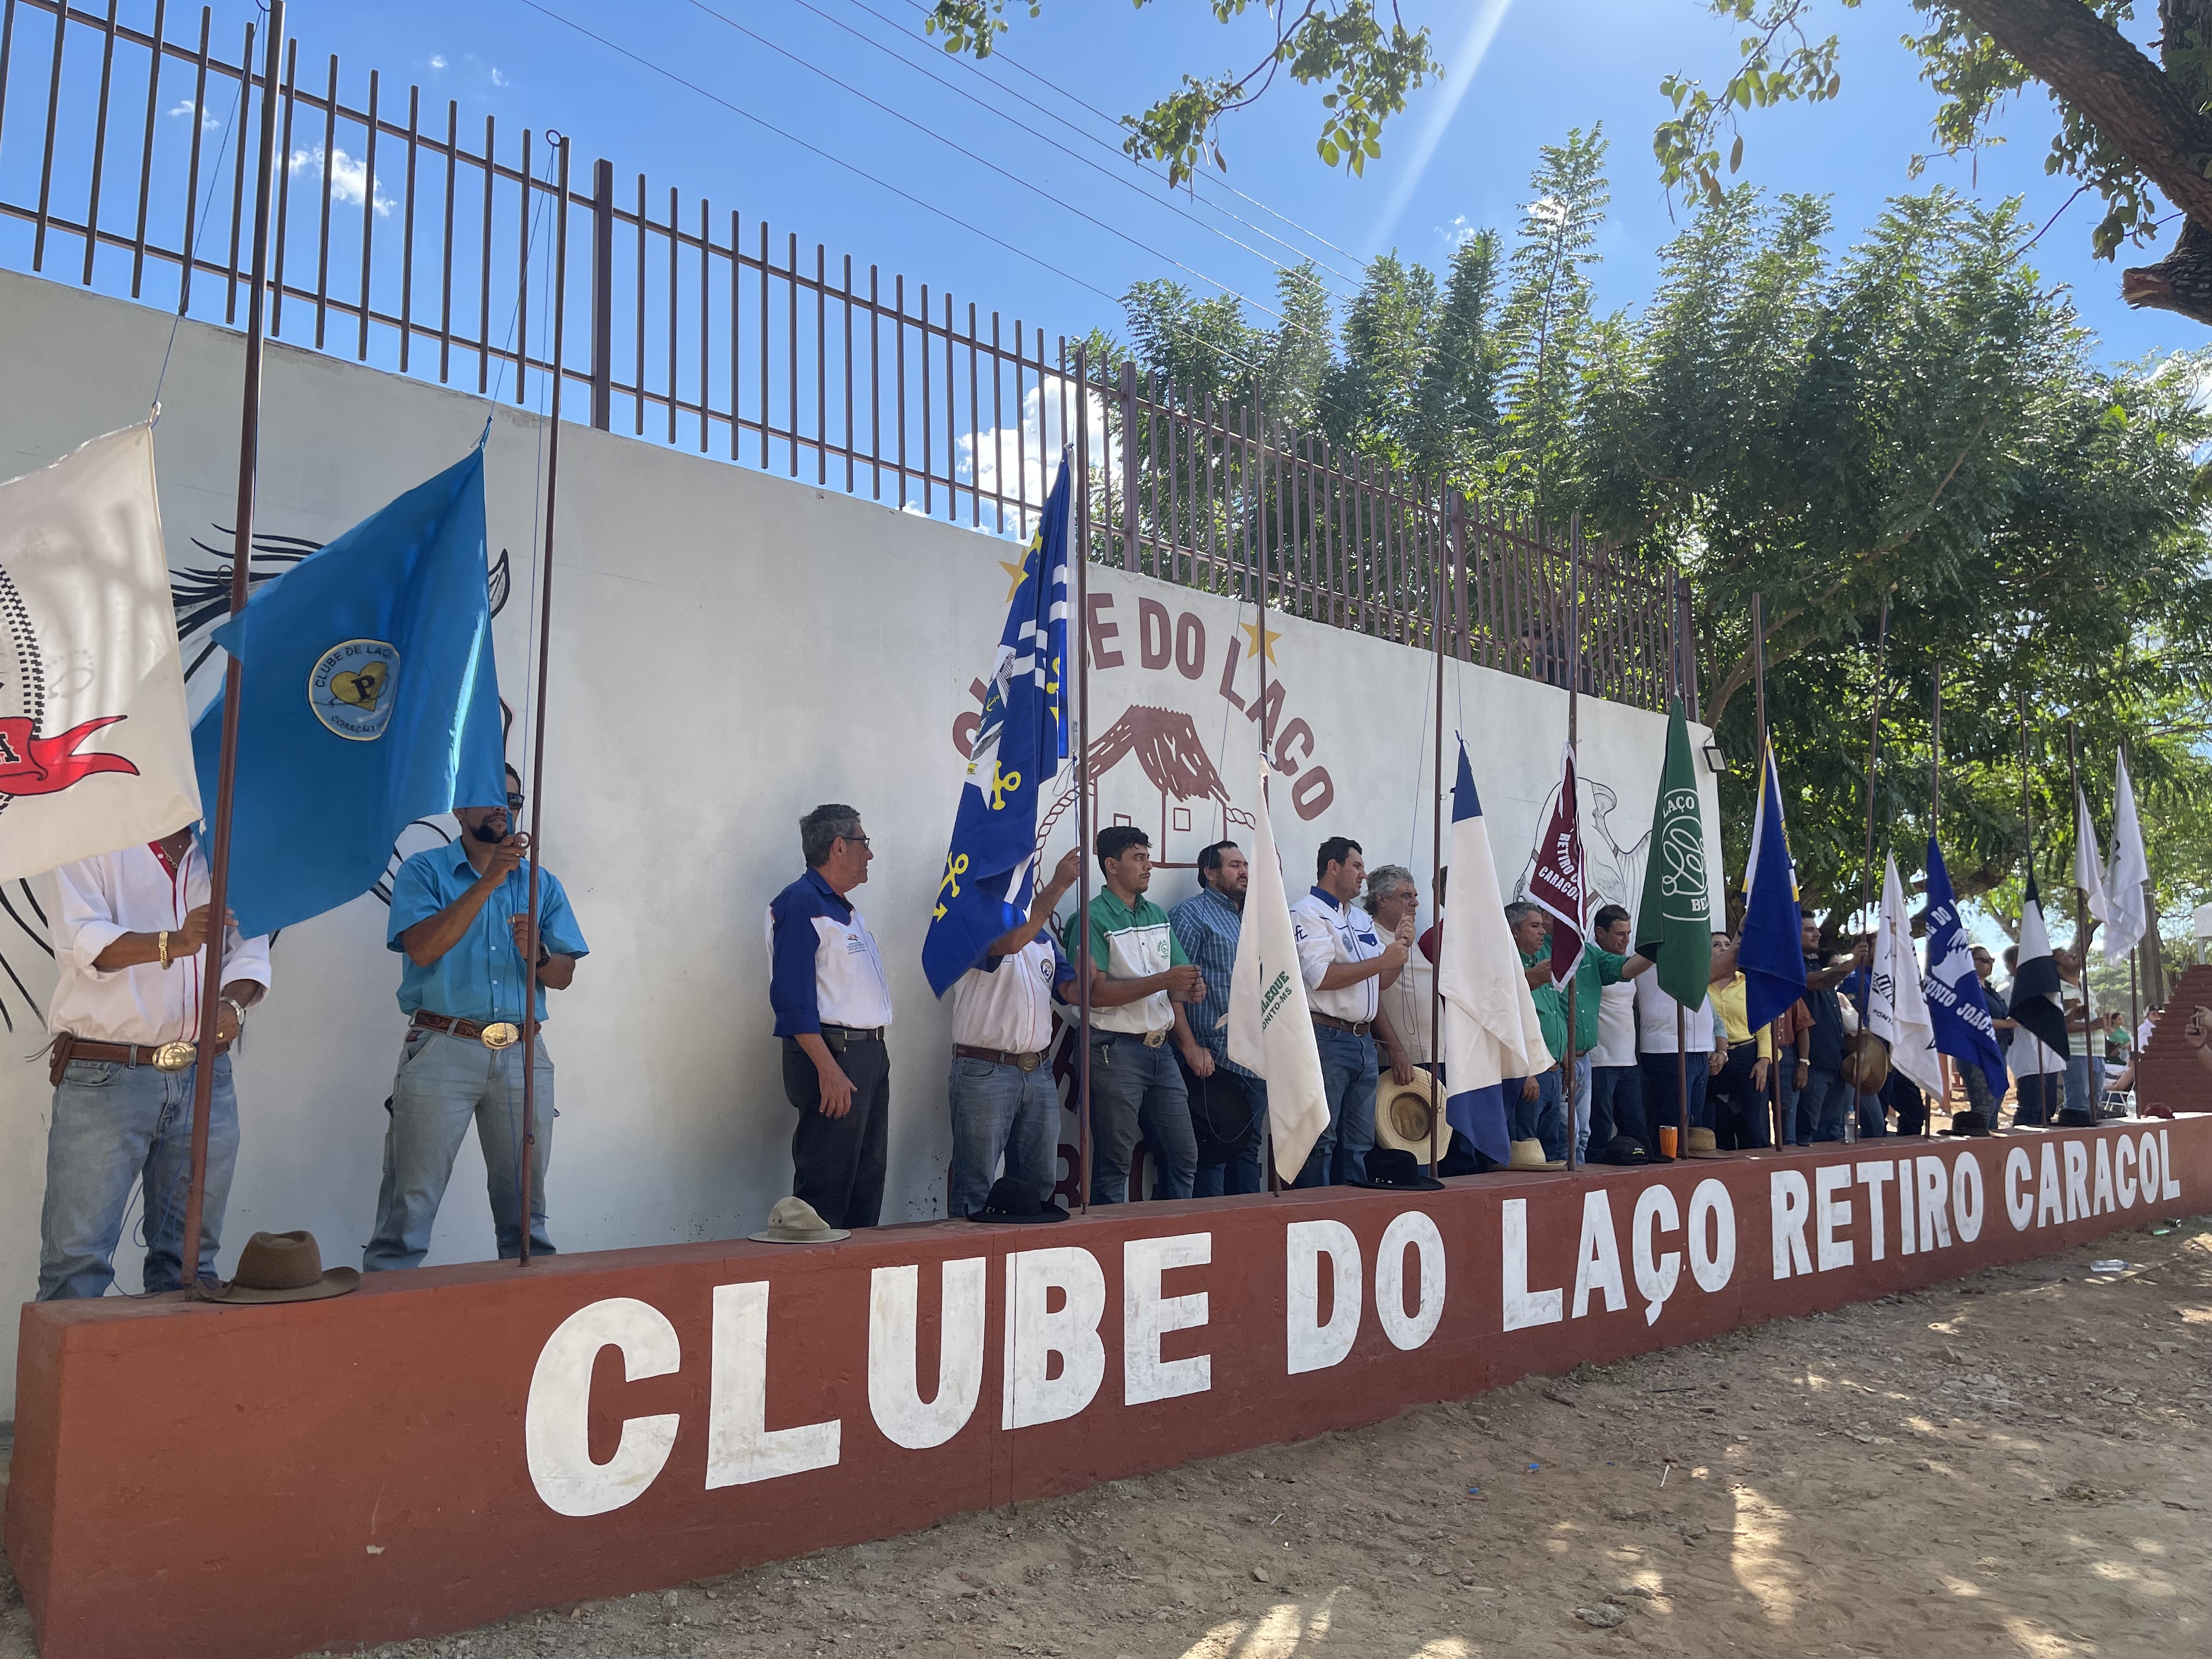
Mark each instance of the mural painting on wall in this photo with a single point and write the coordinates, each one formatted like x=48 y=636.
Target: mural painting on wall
x=200 y=594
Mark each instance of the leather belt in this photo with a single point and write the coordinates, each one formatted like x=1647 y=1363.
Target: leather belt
x=999 y=1056
x=140 y=1053
x=499 y=1034
x=1357 y=1027
x=857 y=1033
x=1149 y=1039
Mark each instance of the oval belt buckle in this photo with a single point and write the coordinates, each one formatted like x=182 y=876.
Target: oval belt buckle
x=501 y=1034
x=173 y=1056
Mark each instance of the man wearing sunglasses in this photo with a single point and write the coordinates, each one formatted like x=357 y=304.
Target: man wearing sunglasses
x=460 y=919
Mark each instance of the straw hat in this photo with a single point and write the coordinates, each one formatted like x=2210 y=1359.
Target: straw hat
x=1404 y=1114
x=1702 y=1144
x=285 y=1267
x=794 y=1221
x=1529 y=1155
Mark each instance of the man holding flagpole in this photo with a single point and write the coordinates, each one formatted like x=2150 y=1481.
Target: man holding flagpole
x=1270 y=1027
x=1956 y=1006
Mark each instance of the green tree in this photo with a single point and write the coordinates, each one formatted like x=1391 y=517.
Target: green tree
x=1373 y=400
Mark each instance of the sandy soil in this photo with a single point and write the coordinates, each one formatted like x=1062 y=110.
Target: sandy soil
x=2017 y=1464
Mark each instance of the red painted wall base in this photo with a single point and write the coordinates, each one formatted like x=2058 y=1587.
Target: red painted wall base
x=453 y=1444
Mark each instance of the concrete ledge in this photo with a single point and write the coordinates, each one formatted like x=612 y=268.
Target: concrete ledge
x=454 y=1444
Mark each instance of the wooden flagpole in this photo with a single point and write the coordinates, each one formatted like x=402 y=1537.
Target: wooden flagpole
x=2027 y=836
x=1759 y=681
x=1943 y=1066
x=1582 y=905
x=544 y=680
x=1084 y=828
x=1260 y=709
x=1681 y=1055
x=1437 y=1136
x=241 y=557
x=2081 y=943
x=1866 y=890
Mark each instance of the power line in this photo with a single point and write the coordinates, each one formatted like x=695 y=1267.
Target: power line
x=1091 y=137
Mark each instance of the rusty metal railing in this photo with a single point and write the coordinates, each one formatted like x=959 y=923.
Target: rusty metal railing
x=417 y=248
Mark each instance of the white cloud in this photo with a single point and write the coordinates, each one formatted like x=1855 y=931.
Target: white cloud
x=349 y=176
x=1460 y=232
x=184 y=106
x=497 y=79
x=978 y=458
x=437 y=60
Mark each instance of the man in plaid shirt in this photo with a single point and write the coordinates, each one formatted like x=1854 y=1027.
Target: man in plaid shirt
x=1229 y=1109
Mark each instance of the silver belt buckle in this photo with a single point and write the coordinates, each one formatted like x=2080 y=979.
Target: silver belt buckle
x=1028 y=1062
x=175 y=1057
x=500 y=1034
x=1154 y=1039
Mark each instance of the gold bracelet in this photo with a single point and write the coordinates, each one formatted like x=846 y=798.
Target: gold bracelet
x=162 y=947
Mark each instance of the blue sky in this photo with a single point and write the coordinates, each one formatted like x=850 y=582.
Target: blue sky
x=1522 y=73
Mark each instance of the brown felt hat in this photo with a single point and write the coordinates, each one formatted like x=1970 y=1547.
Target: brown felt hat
x=1866 y=1062
x=285 y=1267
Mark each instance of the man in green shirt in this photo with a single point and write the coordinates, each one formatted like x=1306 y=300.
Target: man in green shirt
x=1546 y=1110
x=1140 y=979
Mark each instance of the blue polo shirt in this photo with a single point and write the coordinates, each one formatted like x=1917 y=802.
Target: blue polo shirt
x=482 y=978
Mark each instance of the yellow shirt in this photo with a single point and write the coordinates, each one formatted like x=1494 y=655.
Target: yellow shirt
x=1729 y=1000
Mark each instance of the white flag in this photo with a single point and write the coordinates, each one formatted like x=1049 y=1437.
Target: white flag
x=2124 y=885
x=95 y=751
x=2089 y=863
x=1270 y=1026
x=1897 y=1011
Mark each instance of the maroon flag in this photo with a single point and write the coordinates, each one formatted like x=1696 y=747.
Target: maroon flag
x=1557 y=885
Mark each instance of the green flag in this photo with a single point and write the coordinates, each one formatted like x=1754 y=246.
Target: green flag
x=1674 y=922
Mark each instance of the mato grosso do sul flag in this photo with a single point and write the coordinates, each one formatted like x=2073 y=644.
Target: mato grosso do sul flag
x=371 y=700
x=95 y=748
x=1675 y=920
x=1271 y=1031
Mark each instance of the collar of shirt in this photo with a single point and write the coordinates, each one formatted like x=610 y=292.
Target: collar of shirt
x=830 y=895
x=1326 y=897
x=483 y=977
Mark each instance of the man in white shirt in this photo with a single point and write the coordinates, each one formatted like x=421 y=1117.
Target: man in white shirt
x=1705 y=1042
x=125 y=1014
x=1616 y=1080
x=1005 y=1102
x=2084 y=1045
x=1347 y=966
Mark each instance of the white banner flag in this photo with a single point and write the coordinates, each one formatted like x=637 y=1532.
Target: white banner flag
x=2124 y=895
x=2088 y=866
x=1270 y=1025
x=95 y=751
x=1897 y=1010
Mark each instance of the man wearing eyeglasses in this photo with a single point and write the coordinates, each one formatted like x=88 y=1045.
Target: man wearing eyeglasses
x=833 y=1011
x=460 y=919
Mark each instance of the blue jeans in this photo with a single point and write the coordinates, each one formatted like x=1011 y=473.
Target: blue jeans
x=1138 y=1090
x=1348 y=1073
x=1543 y=1119
x=444 y=1081
x=1582 y=1108
x=1822 y=1103
x=1617 y=1105
x=2035 y=1099
x=114 y=1125
x=1795 y=1132
x=2085 y=1081
x=1001 y=1108
x=1229 y=1117
x=1662 y=1093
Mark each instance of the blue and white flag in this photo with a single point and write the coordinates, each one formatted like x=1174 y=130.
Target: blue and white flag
x=990 y=870
x=1772 y=953
x=1956 y=1007
x=2035 y=994
x=371 y=700
x=1491 y=1030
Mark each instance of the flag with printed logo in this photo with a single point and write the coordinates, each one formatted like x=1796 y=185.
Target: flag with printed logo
x=1555 y=885
x=1270 y=1024
x=1897 y=1012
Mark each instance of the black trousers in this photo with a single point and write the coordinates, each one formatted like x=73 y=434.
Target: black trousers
x=837 y=1163
x=1910 y=1105
x=1741 y=1115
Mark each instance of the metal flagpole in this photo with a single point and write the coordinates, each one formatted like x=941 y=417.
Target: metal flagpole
x=249 y=457
x=2027 y=836
x=2135 y=952
x=1083 y=805
x=1437 y=844
x=2081 y=943
x=1582 y=906
x=1935 y=820
x=1759 y=682
x=1681 y=1054
x=1267 y=754
x=1866 y=890
x=544 y=679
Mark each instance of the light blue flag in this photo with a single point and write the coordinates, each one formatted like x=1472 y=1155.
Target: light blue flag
x=1956 y=1007
x=371 y=700
x=990 y=870
x=1772 y=955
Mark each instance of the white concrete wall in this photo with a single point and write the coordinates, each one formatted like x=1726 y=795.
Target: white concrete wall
x=729 y=649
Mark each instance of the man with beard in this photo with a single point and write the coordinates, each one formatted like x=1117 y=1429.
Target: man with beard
x=460 y=916
x=1228 y=1107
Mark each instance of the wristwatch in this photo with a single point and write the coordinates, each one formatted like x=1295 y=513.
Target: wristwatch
x=238 y=1009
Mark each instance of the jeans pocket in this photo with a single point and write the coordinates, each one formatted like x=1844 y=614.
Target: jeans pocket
x=90 y=1073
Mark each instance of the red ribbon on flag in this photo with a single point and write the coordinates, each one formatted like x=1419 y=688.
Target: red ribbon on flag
x=32 y=765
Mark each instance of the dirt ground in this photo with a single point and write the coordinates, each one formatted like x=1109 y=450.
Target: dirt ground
x=2020 y=1463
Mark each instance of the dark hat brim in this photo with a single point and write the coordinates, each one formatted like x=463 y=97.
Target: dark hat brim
x=1049 y=1213
x=337 y=1281
x=1417 y=1184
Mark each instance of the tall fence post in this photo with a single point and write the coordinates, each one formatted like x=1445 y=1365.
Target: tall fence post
x=603 y=300
x=1128 y=465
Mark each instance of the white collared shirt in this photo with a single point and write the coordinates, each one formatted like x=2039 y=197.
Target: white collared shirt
x=1616 y=1024
x=1331 y=932
x=1654 y=1013
x=1010 y=1007
x=131 y=891
x=1410 y=1002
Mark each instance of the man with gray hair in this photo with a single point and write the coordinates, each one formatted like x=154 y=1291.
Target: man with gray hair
x=833 y=1009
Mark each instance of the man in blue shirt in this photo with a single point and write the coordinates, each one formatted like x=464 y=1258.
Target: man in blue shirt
x=1228 y=1107
x=833 y=1010
x=460 y=916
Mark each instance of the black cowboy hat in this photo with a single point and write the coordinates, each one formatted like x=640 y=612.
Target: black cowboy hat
x=1390 y=1167
x=1016 y=1201
x=1969 y=1122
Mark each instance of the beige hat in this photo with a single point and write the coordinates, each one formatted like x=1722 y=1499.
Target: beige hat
x=1405 y=1115
x=1702 y=1144
x=1529 y=1155
x=793 y=1221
